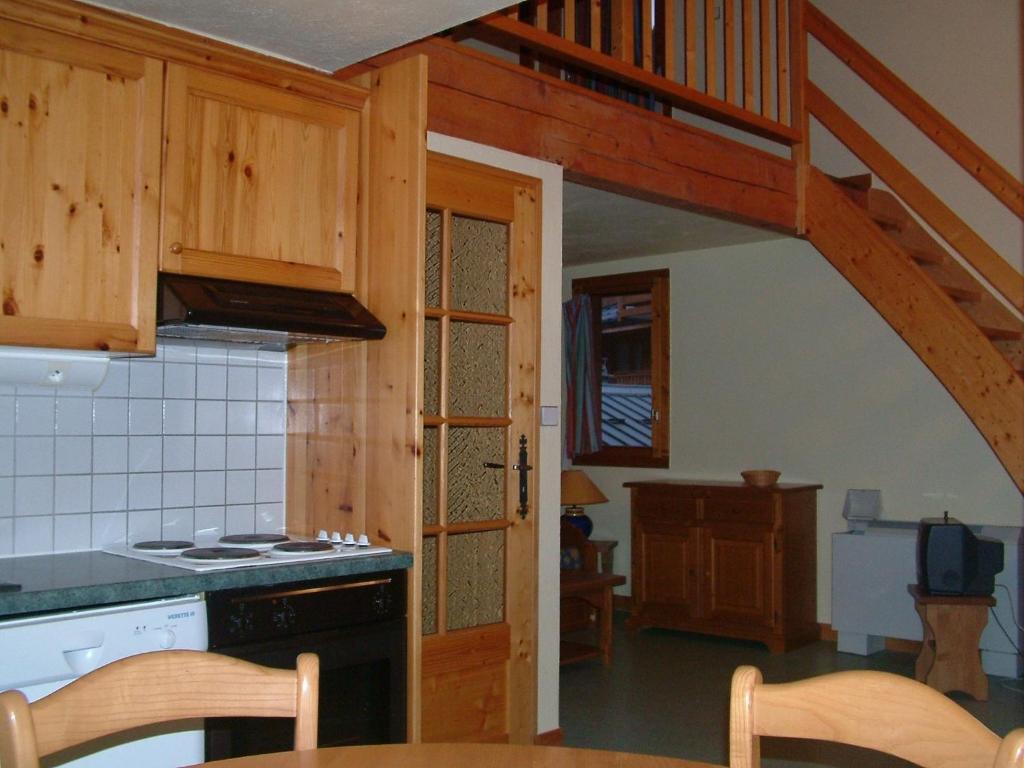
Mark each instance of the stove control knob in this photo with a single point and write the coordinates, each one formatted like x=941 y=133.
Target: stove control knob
x=166 y=639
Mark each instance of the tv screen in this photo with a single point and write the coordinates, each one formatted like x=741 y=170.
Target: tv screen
x=952 y=560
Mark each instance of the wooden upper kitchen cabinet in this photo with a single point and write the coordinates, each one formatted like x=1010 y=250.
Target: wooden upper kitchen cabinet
x=260 y=184
x=79 y=192
x=726 y=559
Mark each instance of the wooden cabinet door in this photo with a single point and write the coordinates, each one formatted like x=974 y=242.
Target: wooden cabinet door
x=79 y=185
x=666 y=572
x=259 y=184
x=738 y=569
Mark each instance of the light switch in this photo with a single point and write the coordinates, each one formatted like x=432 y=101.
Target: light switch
x=549 y=415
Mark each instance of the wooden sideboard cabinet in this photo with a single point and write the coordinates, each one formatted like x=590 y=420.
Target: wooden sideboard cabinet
x=726 y=559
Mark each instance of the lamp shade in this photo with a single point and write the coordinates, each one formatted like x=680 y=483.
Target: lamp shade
x=579 y=490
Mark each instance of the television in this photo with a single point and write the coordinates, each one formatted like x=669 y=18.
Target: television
x=951 y=560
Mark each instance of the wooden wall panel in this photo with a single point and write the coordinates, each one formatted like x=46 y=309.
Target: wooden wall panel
x=602 y=142
x=394 y=275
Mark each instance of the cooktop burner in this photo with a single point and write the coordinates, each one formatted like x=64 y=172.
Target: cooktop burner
x=254 y=538
x=295 y=548
x=163 y=547
x=219 y=553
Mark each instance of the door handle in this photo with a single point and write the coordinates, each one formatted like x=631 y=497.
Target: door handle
x=523 y=468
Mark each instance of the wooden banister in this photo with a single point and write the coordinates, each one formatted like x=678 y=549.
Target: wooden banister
x=1003 y=277
x=502 y=27
x=930 y=121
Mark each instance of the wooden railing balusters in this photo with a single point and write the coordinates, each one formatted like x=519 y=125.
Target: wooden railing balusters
x=764 y=26
x=646 y=41
x=710 y=49
x=748 y=54
x=569 y=21
x=690 y=14
x=622 y=30
x=782 y=54
x=665 y=23
x=729 y=49
x=595 y=25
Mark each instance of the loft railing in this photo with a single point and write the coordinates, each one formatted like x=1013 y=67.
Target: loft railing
x=743 y=63
x=727 y=60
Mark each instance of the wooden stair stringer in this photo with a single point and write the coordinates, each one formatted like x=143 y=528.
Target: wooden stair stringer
x=979 y=378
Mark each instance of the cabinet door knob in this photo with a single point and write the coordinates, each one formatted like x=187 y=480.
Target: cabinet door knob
x=175 y=248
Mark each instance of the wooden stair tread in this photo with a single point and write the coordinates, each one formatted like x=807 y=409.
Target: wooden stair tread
x=862 y=181
x=1001 y=334
x=926 y=256
x=887 y=221
x=962 y=294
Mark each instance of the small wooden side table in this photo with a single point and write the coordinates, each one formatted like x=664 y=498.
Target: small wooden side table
x=605 y=553
x=596 y=590
x=949 y=658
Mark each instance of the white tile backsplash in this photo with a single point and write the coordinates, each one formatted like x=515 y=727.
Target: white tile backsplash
x=189 y=441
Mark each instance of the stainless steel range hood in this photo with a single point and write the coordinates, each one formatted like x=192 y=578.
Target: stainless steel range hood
x=273 y=317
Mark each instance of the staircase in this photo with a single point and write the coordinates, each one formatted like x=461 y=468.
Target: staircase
x=998 y=324
x=970 y=341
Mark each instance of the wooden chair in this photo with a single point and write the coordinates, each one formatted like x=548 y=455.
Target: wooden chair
x=154 y=688
x=876 y=710
x=586 y=598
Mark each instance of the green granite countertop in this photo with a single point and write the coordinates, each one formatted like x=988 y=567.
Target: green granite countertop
x=88 y=579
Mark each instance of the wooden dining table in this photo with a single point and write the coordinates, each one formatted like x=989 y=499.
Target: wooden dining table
x=444 y=755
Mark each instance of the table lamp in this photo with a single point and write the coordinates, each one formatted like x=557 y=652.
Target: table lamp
x=577 y=491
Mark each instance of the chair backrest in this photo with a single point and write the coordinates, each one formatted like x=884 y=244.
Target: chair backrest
x=154 y=688
x=1011 y=750
x=876 y=710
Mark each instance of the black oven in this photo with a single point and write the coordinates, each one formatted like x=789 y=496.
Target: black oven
x=355 y=624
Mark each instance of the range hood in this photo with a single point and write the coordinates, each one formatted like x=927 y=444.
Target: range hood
x=271 y=316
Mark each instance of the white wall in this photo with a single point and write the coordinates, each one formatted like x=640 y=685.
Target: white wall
x=965 y=59
x=546 y=457
x=777 y=362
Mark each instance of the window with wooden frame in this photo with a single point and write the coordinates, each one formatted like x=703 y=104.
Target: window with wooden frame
x=631 y=346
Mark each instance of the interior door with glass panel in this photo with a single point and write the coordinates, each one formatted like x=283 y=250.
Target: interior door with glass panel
x=480 y=384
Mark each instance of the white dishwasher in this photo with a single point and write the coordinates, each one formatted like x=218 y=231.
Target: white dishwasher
x=39 y=654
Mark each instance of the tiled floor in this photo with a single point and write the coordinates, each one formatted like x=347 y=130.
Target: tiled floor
x=667 y=693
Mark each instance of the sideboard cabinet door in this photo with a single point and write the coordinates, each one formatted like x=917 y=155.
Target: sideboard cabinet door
x=79 y=192
x=738 y=571
x=259 y=184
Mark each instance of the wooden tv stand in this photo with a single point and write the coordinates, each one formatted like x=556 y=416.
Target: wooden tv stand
x=726 y=559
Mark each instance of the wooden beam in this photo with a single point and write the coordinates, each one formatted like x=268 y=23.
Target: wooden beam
x=500 y=28
x=939 y=216
x=394 y=390
x=978 y=377
x=954 y=142
x=603 y=142
x=798 y=78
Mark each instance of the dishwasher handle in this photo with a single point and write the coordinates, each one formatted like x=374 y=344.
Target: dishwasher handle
x=87 y=656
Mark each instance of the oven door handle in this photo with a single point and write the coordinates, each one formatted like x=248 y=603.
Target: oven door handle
x=310 y=591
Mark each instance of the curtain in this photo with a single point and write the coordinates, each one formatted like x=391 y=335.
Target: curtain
x=582 y=387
